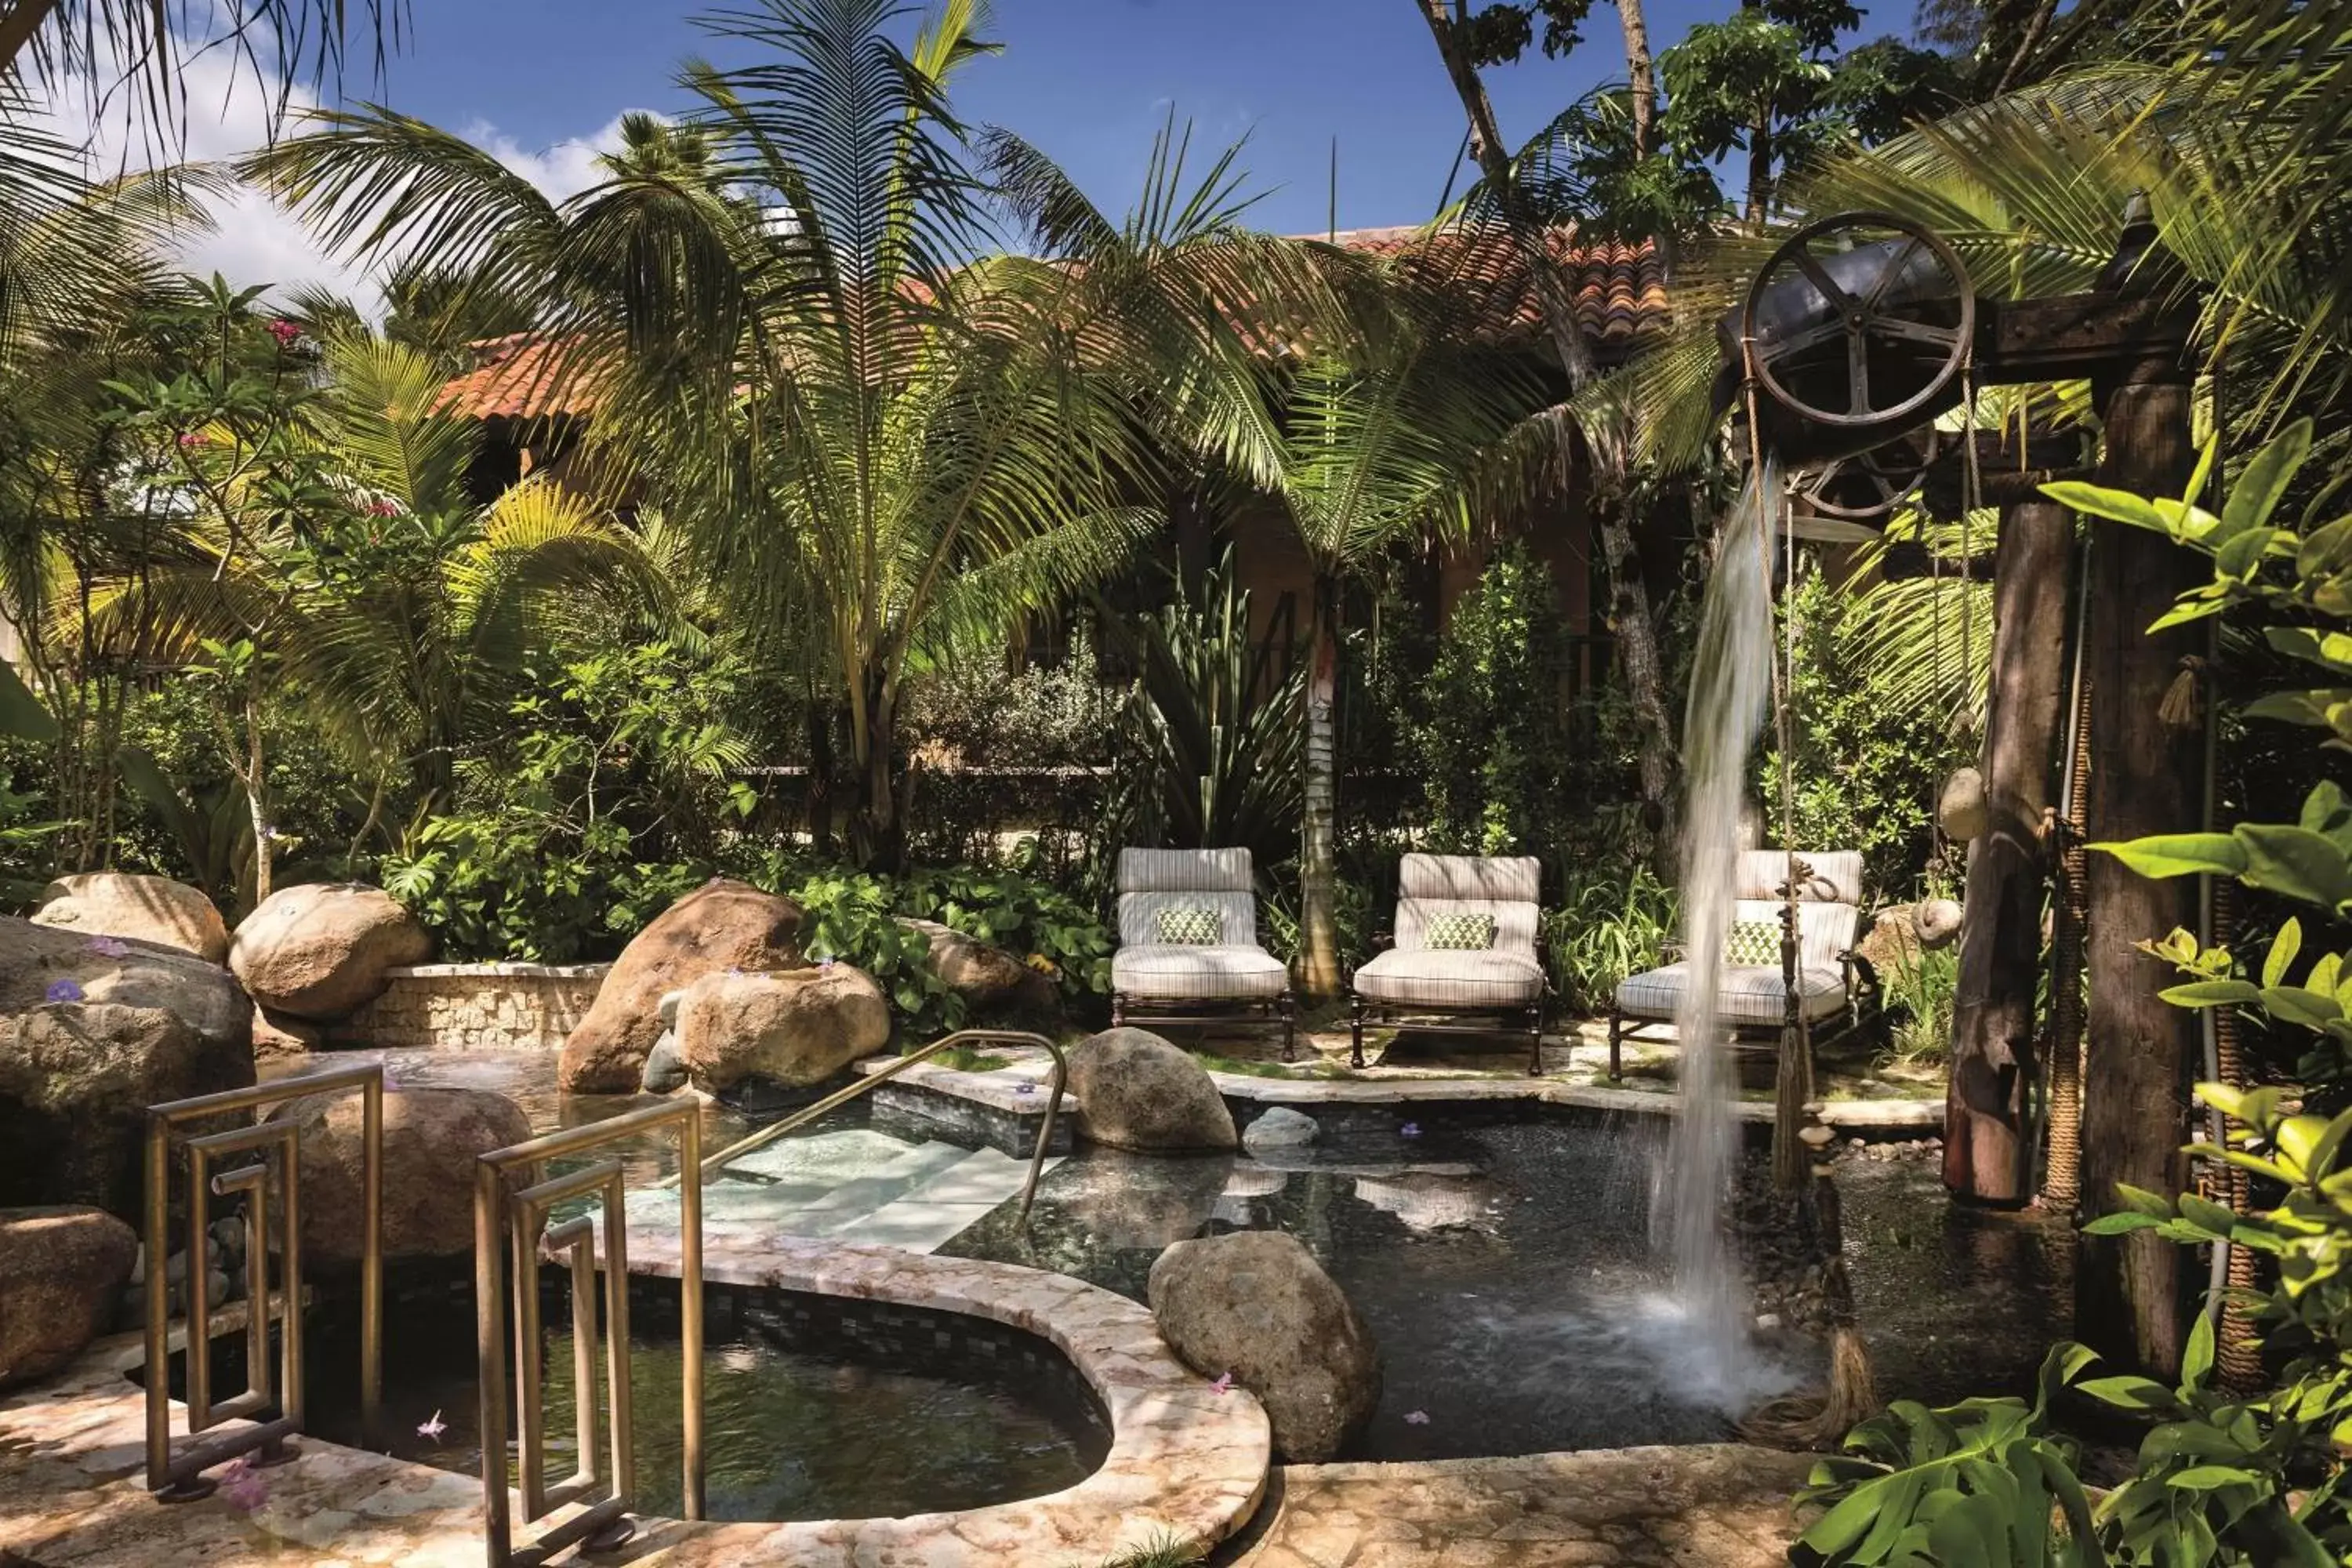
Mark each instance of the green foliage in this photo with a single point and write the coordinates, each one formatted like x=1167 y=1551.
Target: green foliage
x=1920 y=987
x=1208 y=742
x=1051 y=931
x=1867 y=768
x=853 y=917
x=1609 y=924
x=1488 y=740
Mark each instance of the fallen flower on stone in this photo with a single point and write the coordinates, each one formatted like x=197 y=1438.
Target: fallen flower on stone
x=432 y=1429
x=1410 y=1130
x=109 y=946
x=1416 y=1417
x=1223 y=1384
x=243 y=1487
x=66 y=990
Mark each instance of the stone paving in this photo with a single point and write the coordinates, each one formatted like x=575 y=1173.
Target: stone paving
x=1716 y=1506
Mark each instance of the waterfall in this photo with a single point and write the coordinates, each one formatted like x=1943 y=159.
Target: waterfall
x=1730 y=689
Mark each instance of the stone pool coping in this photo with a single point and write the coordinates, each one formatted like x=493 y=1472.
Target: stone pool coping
x=1185 y=1461
x=1000 y=1092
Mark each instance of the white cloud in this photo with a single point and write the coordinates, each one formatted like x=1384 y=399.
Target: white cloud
x=225 y=112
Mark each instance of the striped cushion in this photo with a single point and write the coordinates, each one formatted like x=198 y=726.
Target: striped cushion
x=1183 y=871
x=1188 y=925
x=1509 y=880
x=1460 y=931
x=1832 y=877
x=1426 y=977
x=1162 y=972
x=1743 y=996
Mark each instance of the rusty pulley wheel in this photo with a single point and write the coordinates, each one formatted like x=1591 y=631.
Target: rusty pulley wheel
x=1860 y=321
x=1868 y=486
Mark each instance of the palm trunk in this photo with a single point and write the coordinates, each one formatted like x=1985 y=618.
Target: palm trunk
x=256 y=794
x=878 y=833
x=1319 y=874
x=1641 y=77
x=1759 y=171
x=1637 y=642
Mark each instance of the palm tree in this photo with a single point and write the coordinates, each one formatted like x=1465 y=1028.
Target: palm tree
x=793 y=348
x=142 y=43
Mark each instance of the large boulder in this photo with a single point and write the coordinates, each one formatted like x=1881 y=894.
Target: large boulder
x=792 y=1028
x=1253 y=1303
x=1135 y=1090
x=61 y=1269
x=283 y=1035
x=320 y=951
x=991 y=980
x=40 y=964
x=431 y=1137
x=76 y=1079
x=720 y=926
x=152 y=909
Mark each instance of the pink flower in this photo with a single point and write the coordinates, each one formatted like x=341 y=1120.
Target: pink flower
x=285 y=331
x=243 y=1487
x=432 y=1430
x=1416 y=1417
x=194 y=438
x=1225 y=1383
x=383 y=509
x=108 y=947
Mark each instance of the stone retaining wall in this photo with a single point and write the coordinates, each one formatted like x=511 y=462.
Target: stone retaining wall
x=476 y=1007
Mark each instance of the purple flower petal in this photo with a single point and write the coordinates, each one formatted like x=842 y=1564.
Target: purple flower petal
x=1416 y=1417
x=433 y=1428
x=243 y=1487
x=1223 y=1382
x=108 y=946
x=65 y=989
x=1410 y=1130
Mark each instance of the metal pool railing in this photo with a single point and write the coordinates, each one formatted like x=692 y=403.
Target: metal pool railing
x=874 y=1080
x=179 y=1478
x=510 y=1207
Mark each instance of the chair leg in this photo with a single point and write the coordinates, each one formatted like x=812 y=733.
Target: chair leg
x=1356 y=1035
x=1616 y=1037
x=1118 y=1011
x=1289 y=1027
x=1535 y=1042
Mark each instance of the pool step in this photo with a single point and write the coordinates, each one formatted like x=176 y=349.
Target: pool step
x=927 y=1217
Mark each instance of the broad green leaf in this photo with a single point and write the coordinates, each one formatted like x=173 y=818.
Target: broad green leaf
x=2181 y=855
x=2317 y=708
x=2297 y=862
x=2326 y=550
x=2197 y=1357
x=2139 y=1200
x=2211 y=994
x=2115 y=506
x=2207 y=1478
x=2129 y=1393
x=21 y=714
x=2294 y=1005
x=2332 y=649
x=2265 y=480
x=2283 y=947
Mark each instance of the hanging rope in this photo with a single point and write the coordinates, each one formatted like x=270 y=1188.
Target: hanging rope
x=2240 y=1354
x=1972 y=497
x=2062 y=1184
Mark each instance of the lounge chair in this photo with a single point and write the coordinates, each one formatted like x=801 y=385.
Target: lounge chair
x=1189 y=950
x=1833 y=986
x=1463 y=962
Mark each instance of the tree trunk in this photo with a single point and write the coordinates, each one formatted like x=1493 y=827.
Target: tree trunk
x=1318 y=926
x=256 y=795
x=878 y=834
x=1637 y=644
x=1988 y=1157
x=2146 y=776
x=1759 y=171
x=816 y=795
x=1641 y=75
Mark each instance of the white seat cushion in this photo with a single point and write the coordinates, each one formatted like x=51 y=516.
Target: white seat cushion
x=1744 y=995
x=1223 y=972
x=1452 y=977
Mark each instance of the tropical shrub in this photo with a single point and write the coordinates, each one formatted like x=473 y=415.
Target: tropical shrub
x=1488 y=738
x=1052 y=932
x=2222 y=1478
x=1607 y=925
x=1920 y=987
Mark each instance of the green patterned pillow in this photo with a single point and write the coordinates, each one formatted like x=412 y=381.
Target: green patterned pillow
x=1459 y=932
x=1753 y=945
x=1189 y=925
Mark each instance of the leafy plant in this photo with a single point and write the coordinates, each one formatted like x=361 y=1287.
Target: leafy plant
x=1920 y=987
x=1607 y=925
x=1052 y=932
x=852 y=916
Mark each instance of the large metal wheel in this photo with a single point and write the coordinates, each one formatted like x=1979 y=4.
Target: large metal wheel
x=1870 y=485
x=1860 y=321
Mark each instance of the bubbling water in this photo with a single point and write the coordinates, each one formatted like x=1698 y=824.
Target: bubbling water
x=1730 y=687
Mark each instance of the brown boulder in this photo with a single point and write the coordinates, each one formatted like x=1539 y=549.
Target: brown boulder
x=431 y=1137
x=990 y=980
x=62 y=1270
x=282 y=1035
x=1891 y=942
x=1135 y=1090
x=76 y=1079
x=35 y=961
x=792 y=1028
x=152 y=909
x=720 y=926
x=1255 y=1304
x=320 y=951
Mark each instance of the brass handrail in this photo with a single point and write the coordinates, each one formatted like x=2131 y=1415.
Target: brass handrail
x=179 y=1480
x=875 y=1079
x=512 y=1214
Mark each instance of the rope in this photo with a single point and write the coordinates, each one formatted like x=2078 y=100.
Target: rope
x=1972 y=497
x=2238 y=1354
x=2062 y=1184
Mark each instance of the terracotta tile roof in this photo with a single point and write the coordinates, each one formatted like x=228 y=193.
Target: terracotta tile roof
x=518 y=377
x=1620 y=289
x=1621 y=294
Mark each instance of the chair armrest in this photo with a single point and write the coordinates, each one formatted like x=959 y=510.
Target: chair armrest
x=1861 y=975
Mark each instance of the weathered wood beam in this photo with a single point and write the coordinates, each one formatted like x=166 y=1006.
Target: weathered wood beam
x=2146 y=776
x=1988 y=1154
x=2074 y=337
x=2005 y=472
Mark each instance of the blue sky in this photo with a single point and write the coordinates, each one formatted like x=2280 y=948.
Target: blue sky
x=1086 y=80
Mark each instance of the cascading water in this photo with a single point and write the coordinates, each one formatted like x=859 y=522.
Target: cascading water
x=1730 y=689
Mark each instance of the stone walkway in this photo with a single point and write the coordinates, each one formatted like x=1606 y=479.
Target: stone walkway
x=1721 y=1506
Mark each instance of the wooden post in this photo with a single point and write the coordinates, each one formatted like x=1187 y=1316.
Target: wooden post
x=2146 y=776
x=1988 y=1156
